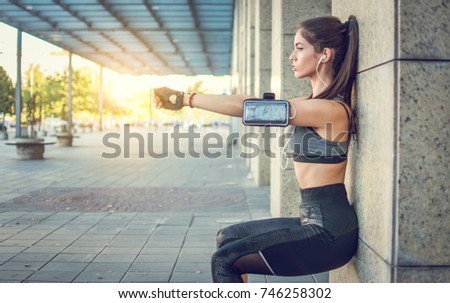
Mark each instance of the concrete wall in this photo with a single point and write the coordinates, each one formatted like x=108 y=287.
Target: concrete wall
x=260 y=164
x=397 y=177
x=398 y=174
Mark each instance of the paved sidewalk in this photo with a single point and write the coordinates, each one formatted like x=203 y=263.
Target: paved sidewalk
x=78 y=217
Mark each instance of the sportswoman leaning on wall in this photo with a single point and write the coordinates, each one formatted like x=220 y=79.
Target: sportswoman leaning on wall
x=325 y=235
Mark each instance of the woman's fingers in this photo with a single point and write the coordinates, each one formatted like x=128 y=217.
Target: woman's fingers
x=156 y=102
x=168 y=98
x=173 y=99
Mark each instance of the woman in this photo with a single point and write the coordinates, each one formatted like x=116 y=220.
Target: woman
x=326 y=234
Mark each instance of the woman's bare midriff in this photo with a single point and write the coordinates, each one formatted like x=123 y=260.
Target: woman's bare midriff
x=318 y=174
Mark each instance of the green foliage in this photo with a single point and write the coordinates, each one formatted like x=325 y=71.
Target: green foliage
x=47 y=95
x=54 y=95
x=6 y=92
x=84 y=92
x=31 y=92
x=197 y=87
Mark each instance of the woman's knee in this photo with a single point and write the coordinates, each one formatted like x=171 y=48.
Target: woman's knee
x=224 y=236
x=219 y=264
x=222 y=267
x=220 y=237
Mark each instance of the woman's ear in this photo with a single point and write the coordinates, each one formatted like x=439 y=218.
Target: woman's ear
x=327 y=55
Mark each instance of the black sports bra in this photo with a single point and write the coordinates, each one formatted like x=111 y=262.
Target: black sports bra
x=308 y=146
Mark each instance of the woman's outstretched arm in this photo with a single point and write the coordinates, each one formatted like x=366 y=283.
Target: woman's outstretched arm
x=230 y=105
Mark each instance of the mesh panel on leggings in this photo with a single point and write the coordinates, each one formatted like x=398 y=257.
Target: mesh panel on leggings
x=311 y=215
x=246 y=229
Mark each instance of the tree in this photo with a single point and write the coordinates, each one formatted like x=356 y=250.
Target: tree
x=54 y=95
x=6 y=93
x=32 y=94
x=84 y=93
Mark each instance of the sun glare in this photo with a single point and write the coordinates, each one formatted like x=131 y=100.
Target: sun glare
x=124 y=90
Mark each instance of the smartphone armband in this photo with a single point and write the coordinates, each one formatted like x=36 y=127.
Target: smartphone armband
x=266 y=112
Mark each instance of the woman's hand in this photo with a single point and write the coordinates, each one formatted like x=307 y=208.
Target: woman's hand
x=168 y=98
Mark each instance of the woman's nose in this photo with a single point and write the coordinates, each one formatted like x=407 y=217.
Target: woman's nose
x=292 y=57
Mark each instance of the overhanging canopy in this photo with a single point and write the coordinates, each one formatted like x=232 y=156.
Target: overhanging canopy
x=160 y=37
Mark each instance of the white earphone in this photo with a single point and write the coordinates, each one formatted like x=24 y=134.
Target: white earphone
x=324 y=56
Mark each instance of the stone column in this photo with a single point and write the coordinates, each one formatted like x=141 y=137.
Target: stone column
x=249 y=66
x=250 y=48
x=69 y=96
x=100 y=99
x=18 y=91
x=286 y=14
x=263 y=36
x=235 y=123
x=398 y=172
x=238 y=73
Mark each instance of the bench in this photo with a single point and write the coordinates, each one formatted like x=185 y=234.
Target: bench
x=65 y=139
x=30 y=149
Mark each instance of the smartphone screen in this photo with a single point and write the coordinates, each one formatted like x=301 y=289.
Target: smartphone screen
x=266 y=112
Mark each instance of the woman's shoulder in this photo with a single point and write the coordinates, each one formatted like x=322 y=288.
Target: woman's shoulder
x=317 y=101
x=303 y=98
x=308 y=98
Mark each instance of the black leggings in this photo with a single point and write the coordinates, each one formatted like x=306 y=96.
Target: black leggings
x=325 y=237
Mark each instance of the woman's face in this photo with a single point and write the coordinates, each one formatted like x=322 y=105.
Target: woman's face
x=304 y=58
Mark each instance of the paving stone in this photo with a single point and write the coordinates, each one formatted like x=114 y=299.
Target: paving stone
x=90 y=243
x=131 y=231
x=163 y=244
x=36 y=257
x=147 y=277
x=193 y=267
x=44 y=249
x=183 y=277
x=83 y=250
x=124 y=243
x=29 y=235
x=168 y=238
x=120 y=267
x=95 y=237
x=208 y=244
x=195 y=251
x=15 y=275
x=5 y=257
x=99 y=277
x=156 y=258
x=51 y=243
x=77 y=258
x=64 y=266
x=201 y=257
x=115 y=258
x=118 y=250
x=19 y=243
x=20 y=265
x=152 y=266
x=53 y=276
x=169 y=230
x=148 y=250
